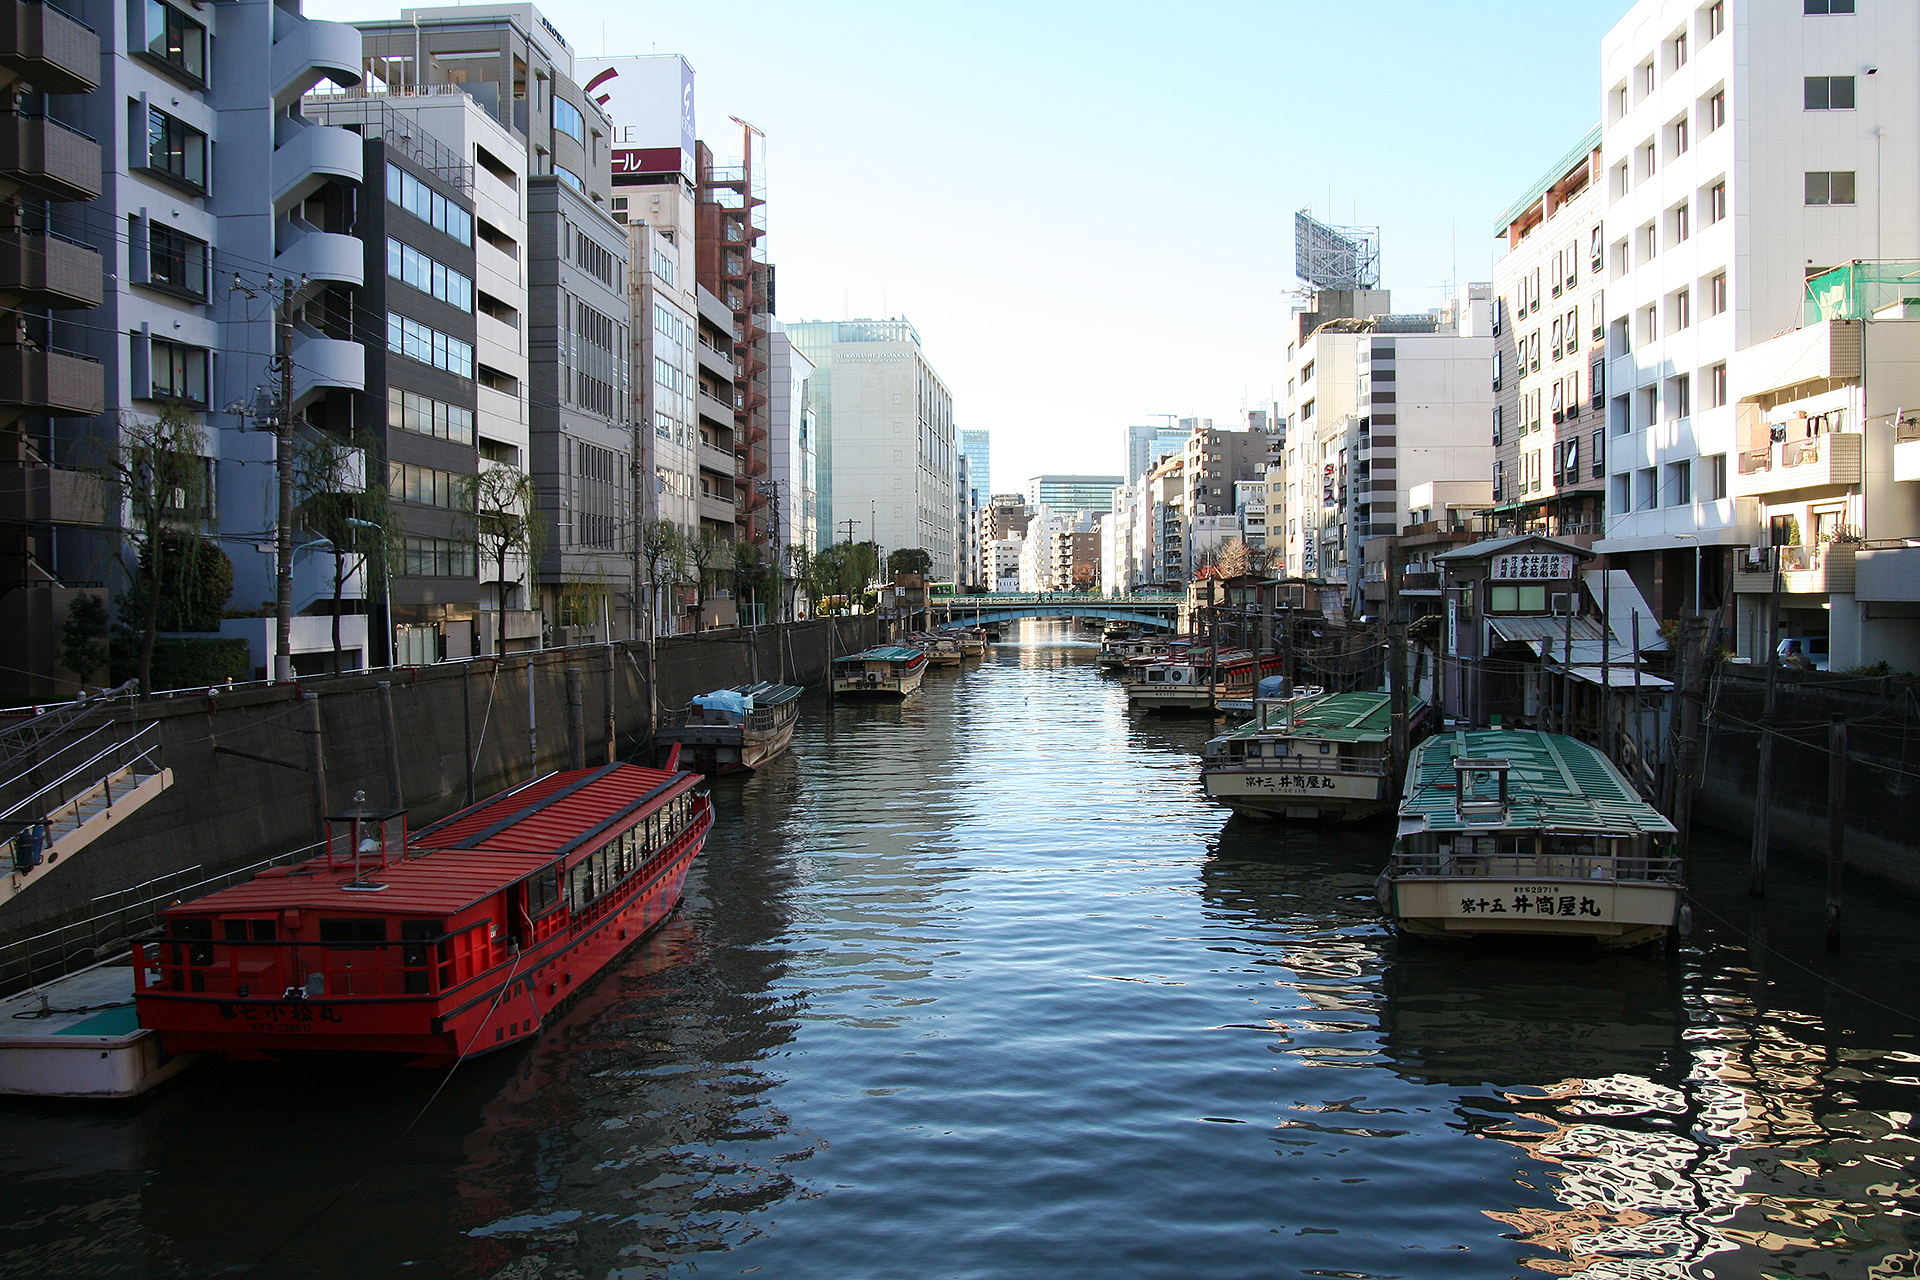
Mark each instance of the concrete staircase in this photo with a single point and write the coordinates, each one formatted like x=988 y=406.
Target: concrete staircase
x=90 y=797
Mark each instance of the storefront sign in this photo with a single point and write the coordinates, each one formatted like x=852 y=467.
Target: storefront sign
x=1532 y=566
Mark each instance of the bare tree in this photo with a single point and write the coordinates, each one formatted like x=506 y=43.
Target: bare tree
x=663 y=549
x=800 y=577
x=709 y=555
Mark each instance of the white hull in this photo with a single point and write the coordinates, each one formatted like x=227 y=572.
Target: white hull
x=1611 y=913
x=1284 y=793
x=884 y=687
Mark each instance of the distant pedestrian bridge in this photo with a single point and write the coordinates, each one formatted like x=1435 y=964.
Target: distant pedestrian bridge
x=1159 y=610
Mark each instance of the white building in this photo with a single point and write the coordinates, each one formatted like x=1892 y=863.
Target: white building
x=792 y=422
x=1747 y=147
x=885 y=436
x=1003 y=556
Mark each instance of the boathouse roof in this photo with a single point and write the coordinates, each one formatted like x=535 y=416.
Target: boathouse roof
x=1554 y=783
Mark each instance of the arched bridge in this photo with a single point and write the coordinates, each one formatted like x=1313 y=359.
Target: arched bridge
x=1144 y=611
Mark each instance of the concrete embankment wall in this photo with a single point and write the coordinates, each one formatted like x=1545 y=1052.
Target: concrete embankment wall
x=1883 y=777
x=225 y=811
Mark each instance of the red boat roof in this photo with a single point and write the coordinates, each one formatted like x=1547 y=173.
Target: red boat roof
x=463 y=858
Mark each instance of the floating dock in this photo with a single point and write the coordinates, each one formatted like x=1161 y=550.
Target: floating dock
x=77 y=1037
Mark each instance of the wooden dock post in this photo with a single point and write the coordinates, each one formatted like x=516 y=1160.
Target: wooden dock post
x=1836 y=824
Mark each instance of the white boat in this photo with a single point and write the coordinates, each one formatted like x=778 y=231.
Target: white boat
x=1314 y=755
x=1196 y=679
x=885 y=671
x=730 y=730
x=1514 y=831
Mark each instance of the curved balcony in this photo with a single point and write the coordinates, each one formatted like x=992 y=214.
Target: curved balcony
x=315 y=51
x=312 y=157
x=324 y=255
x=324 y=364
x=50 y=48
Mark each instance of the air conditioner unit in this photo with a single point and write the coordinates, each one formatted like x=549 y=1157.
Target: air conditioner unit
x=1564 y=603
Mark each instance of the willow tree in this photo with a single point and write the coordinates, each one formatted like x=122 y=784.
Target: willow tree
x=663 y=550
x=709 y=555
x=798 y=563
x=342 y=501
x=160 y=470
x=505 y=508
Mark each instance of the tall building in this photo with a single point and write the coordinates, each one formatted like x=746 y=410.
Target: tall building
x=977 y=445
x=1746 y=148
x=1071 y=496
x=792 y=423
x=1146 y=446
x=885 y=455
x=1549 y=373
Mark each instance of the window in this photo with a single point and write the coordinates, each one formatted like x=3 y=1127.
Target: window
x=409 y=411
x=568 y=120
x=1716 y=202
x=1496 y=380
x=1829 y=6
x=176 y=149
x=1499 y=481
x=1623 y=492
x=1306 y=372
x=1597 y=383
x=1677 y=52
x=176 y=39
x=1830 y=188
x=1643 y=78
x=1679 y=483
x=1533 y=350
x=1717 y=294
x=1716 y=386
x=1617 y=102
x=1556 y=339
x=428 y=205
x=1649 y=406
x=1715 y=20
x=1677 y=138
x=1596 y=317
x=567 y=175
x=1573 y=263
x=1713 y=477
x=588 y=253
x=1620 y=261
x=1648 y=161
x=1597 y=251
x=1596 y=459
x=1571 y=471
x=1499 y=419
x=1619 y=180
x=1649 y=240
x=1679 y=310
x=1829 y=93
x=1646 y=483
x=1649 y=324
x=1680 y=397
x=437 y=558
x=596 y=494
x=178 y=372
x=176 y=261
x=409 y=483
x=1716 y=113
x=1679 y=225
x=1573 y=330
x=407 y=264
x=416 y=341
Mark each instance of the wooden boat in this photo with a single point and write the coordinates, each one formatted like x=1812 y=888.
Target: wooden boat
x=1196 y=679
x=973 y=641
x=453 y=941
x=885 y=671
x=1116 y=653
x=1315 y=755
x=731 y=730
x=1514 y=831
x=941 y=647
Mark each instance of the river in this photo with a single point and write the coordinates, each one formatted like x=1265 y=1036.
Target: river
x=980 y=986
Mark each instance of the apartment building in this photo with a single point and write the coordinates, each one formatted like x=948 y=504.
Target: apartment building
x=885 y=436
x=1549 y=374
x=1747 y=147
x=1218 y=462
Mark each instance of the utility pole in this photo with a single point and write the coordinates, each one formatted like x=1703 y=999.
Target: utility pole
x=281 y=291
x=1396 y=674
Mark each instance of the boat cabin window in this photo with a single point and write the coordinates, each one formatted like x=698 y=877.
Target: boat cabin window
x=353 y=931
x=243 y=930
x=191 y=928
x=542 y=892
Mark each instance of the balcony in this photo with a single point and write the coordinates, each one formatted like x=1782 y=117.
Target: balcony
x=1887 y=574
x=48 y=158
x=713 y=407
x=313 y=155
x=1819 y=462
x=58 y=384
x=324 y=255
x=321 y=364
x=1816 y=570
x=719 y=510
x=716 y=361
x=51 y=495
x=312 y=52
x=1906 y=452
x=48 y=270
x=1419 y=584
x=49 y=48
x=715 y=458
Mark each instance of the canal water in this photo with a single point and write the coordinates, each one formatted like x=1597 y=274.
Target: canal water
x=980 y=986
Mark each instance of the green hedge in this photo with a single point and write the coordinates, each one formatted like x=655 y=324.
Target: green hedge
x=185 y=663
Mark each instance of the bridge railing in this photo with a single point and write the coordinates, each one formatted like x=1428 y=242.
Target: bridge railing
x=998 y=601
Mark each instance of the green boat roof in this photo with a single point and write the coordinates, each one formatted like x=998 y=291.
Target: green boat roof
x=1338 y=717
x=1554 y=783
x=883 y=653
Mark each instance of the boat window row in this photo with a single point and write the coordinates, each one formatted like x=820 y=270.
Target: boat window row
x=1564 y=855
x=609 y=866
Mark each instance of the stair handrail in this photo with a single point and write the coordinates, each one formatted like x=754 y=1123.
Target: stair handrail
x=21 y=741
x=11 y=818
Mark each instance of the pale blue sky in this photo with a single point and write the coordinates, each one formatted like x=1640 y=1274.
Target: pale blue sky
x=1087 y=210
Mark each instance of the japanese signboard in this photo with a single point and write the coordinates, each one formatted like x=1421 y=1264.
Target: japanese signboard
x=1532 y=566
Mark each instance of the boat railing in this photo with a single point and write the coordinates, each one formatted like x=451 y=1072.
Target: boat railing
x=1529 y=866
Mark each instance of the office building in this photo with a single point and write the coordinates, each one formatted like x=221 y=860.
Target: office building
x=977 y=445
x=1072 y=495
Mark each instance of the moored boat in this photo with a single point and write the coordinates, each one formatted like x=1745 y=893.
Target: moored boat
x=442 y=945
x=941 y=647
x=1117 y=652
x=1514 y=831
x=884 y=671
x=1197 y=679
x=1314 y=755
x=735 y=729
x=973 y=641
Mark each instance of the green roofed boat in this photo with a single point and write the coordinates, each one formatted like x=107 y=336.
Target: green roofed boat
x=1316 y=755
x=885 y=671
x=1513 y=831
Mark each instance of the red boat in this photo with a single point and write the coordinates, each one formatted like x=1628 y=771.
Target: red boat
x=453 y=942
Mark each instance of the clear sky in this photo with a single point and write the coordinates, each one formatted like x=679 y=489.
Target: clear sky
x=1087 y=209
